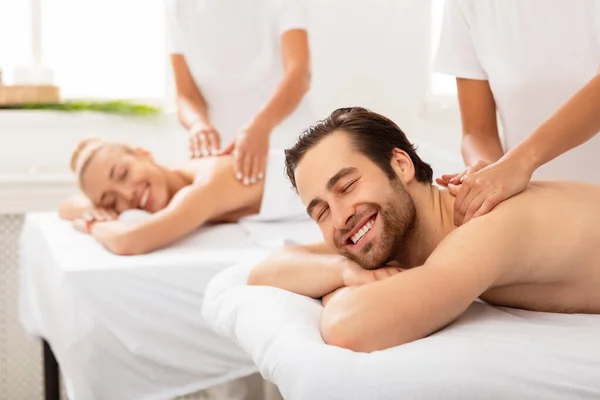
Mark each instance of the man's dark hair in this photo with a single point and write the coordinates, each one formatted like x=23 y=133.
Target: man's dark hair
x=372 y=134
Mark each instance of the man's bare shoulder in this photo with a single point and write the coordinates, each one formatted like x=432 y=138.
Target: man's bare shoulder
x=553 y=200
x=531 y=231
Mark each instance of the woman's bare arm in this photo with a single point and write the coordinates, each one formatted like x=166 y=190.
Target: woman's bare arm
x=79 y=206
x=480 y=140
x=193 y=206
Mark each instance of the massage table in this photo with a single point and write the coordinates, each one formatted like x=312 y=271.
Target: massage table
x=130 y=327
x=488 y=353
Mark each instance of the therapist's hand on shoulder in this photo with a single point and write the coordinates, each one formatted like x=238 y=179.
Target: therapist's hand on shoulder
x=250 y=149
x=483 y=186
x=204 y=140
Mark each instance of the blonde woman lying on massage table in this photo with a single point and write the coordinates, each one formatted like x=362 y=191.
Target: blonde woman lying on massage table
x=115 y=177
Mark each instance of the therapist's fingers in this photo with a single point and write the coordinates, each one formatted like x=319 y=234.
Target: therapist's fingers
x=198 y=145
x=453 y=189
x=253 y=169
x=488 y=205
x=460 y=204
x=258 y=169
x=202 y=137
x=239 y=162
x=458 y=179
x=474 y=206
x=193 y=145
x=214 y=142
x=445 y=179
x=246 y=168
x=262 y=167
x=479 y=165
x=465 y=203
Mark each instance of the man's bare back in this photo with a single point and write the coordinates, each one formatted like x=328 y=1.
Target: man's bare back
x=398 y=269
x=558 y=262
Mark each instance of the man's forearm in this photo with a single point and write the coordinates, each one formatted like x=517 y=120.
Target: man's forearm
x=481 y=147
x=572 y=125
x=285 y=100
x=300 y=271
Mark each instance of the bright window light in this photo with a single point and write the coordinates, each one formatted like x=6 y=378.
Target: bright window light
x=105 y=49
x=15 y=36
x=440 y=84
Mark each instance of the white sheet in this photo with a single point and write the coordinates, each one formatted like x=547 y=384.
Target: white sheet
x=489 y=353
x=130 y=327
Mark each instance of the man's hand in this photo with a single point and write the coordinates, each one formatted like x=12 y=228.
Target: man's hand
x=354 y=275
x=250 y=149
x=204 y=140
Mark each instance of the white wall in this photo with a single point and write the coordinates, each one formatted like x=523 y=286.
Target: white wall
x=373 y=53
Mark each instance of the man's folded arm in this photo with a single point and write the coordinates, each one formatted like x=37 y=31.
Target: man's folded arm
x=418 y=302
x=312 y=270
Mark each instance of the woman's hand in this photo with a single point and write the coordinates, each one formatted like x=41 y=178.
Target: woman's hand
x=250 y=149
x=93 y=215
x=484 y=186
x=204 y=140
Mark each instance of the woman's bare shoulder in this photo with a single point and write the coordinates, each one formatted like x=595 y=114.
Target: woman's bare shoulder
x=201 y=169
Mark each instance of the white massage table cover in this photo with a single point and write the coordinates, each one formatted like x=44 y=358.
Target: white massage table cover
x=489 y=353
x=130 y=327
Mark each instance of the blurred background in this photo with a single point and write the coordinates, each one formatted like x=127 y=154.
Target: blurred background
x=376 y=53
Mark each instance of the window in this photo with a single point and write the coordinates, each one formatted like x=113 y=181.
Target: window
x=440 y=84
x=15 y=35
x=96 y=49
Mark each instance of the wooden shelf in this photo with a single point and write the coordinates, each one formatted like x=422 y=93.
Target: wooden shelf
x=23 y=94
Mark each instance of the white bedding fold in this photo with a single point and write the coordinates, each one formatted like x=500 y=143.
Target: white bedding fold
x=130 y=327
x=489 y=353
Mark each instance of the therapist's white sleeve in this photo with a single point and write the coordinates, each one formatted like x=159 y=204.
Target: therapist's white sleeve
x=173 y=27
x=456 y=55
x=292 y=14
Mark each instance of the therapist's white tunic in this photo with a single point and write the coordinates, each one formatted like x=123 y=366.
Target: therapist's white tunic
x=233 y=50
x=535 y=54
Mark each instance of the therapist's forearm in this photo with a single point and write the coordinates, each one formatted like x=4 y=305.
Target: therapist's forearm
x=192 y=109
x=573 y=124
x=285 y=100
x=476 y=147
x=301 y=272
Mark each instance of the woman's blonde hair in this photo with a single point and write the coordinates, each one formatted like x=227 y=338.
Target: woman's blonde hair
x=85 y=151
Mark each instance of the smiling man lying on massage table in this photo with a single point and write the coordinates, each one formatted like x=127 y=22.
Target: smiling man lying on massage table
x=116 y=177
x=371 y=195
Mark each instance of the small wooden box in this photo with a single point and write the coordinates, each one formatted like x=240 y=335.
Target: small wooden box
x=23 y=94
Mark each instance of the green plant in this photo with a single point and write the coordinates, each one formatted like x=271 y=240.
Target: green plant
x=123 y=107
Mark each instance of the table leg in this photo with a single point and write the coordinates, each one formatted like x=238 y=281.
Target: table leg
x=51 y=374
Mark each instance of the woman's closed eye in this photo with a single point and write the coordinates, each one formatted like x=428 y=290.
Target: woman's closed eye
x=124 y=174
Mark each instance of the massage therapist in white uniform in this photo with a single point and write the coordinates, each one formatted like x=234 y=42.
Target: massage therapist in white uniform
x=242 y=73
x=534 y=64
